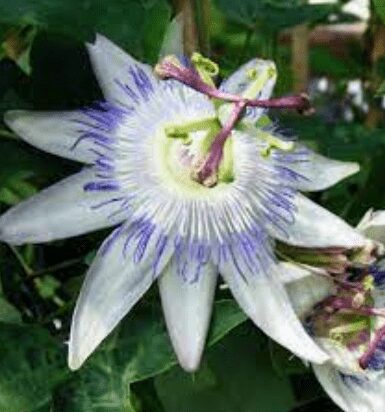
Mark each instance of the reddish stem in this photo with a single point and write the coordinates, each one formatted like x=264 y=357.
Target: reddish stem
x=189 y=77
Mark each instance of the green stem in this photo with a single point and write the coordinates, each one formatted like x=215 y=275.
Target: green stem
x=33 y=274
x=27 y=269
x=55 y=268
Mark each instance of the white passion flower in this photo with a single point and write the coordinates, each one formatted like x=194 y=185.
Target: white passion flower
x=195 y=190
x=344 y=310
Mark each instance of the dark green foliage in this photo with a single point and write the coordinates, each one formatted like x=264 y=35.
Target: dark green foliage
x=135 y=368
x=275 y=15
x=236 y=372
x=125 y=22
x=379 y=7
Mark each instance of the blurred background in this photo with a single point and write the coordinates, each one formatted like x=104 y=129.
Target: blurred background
x=334 y=50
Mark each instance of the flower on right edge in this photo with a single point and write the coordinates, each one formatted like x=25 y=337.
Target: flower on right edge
x=340 y=297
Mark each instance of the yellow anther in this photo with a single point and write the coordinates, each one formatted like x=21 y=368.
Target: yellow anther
x=272 y=72
x=274 y=142
x=206 y=68
x=338 y=337
x=258 y=79
x=252 y=74
x=368 y=282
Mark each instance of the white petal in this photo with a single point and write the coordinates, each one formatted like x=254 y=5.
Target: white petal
x=60 y=211
x=113 y=285
x=352 y=393
x=306 y=292
x=332 y=383
x=187 y=308
x=266 y=302
x=53 y=132
x=320 y=172
x=240 y=80
x=112 y=66
x=372 y=225
x=264 y=78
x=344 y=359
x=290 y=272
x=315 y=226
x=173 y=38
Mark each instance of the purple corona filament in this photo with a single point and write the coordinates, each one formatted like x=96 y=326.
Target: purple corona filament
x=207 y=172
x=250 y=251
x=376 y=342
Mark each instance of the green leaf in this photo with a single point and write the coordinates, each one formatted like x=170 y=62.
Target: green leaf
x=381 y=90
x=273 y=15
x=18 y=166
x=227 y=316
x=17 y=46
x=143 y=346
x=139 y=350
x=100 y=386
x=324 y=62
x=379 y=6
x=16 y=190
x=135 y=25
x=47 y=286
x=154 y=29
x=237 y=376
x=8 y=313
x=31 y=364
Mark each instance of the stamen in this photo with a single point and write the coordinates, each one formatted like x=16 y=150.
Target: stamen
x=357 y=326
x=347 y=305
x=206 y=68
x=171 y=68
x=200 y=79
x=183 y=129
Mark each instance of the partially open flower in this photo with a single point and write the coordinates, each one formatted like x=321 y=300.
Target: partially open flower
x=196 y=188
x=344 y=311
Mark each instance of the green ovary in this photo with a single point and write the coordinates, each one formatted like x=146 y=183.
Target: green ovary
x=186 y=144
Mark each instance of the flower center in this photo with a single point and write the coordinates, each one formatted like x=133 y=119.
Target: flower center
x=230 y=107
x=186 y=147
